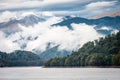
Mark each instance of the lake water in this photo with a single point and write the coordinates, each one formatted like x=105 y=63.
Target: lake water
x=39 y=73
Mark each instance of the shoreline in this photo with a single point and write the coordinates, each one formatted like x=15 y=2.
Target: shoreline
x=86 y=67
x=63 y=67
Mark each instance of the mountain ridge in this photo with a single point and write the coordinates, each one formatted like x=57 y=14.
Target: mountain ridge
x=13 y=24
x=104 y=25
x=110 y=22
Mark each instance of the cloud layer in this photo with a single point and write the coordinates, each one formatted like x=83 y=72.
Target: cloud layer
x=6 y=4
x=63 y=7
x=100 y=4
x=38 y=37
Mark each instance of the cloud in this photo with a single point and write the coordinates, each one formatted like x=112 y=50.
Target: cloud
x=6 y=44
x=7 y=15
x=23 y=14
x=100 y=7
x=100 y=4
x=62 y=7
x=47 y=13
x=21 y=4
x=105 y=28
x=38 y=37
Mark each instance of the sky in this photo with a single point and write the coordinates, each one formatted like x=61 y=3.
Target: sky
x=82 y=8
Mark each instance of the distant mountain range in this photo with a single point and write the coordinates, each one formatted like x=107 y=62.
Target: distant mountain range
x=110 y=23
x=13 y=25
x=104 y=25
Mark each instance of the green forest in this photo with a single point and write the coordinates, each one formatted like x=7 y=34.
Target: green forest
x=102 y=52
x=19 y=58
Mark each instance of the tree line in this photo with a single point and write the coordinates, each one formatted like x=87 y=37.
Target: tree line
x=102 y=52
x=19 y=58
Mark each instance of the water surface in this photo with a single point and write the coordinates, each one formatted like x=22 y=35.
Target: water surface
x=39 y=73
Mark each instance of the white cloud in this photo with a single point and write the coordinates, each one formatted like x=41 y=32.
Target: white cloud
x=100 y=4
x=99 y=7
x=56 y=35
x=6 y=16
x=6 y=4
x=56 y=1
x=6 y=44
x=105 y=28
x=23 y=14
x=47 y=13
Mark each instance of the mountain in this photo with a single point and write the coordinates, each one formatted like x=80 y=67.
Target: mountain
x=53 y=52
x=102 y=52
x=110 y=23
x=104 y=25
x=13 y=25
x=20 y=58
x=67 y=21
x=30 y=20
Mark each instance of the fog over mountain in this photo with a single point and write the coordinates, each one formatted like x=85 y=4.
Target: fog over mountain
x=37 y=36
x=50 y=35
x=54 y=28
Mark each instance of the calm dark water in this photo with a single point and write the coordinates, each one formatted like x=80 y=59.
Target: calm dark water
x=39 y=73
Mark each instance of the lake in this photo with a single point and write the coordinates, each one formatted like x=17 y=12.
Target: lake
x=39 y=73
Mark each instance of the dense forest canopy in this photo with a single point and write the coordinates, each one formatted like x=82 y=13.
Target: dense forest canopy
x=20 y=58
x=102 y=52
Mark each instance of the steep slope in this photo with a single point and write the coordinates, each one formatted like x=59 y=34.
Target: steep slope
x=111 y=23
x=102 y=52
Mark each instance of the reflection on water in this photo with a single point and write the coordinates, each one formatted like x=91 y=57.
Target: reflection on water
x=39 y=73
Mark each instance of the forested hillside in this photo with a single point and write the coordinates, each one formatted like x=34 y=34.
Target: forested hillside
x=19 y=58
x=102 y=52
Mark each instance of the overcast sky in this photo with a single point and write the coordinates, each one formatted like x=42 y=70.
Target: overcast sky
x=84 y=8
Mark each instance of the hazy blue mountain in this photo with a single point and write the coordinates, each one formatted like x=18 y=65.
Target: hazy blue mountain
x=112 y=23
x=30 y=20
x=67 y=21
x=53 y=52
x=12 y=25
